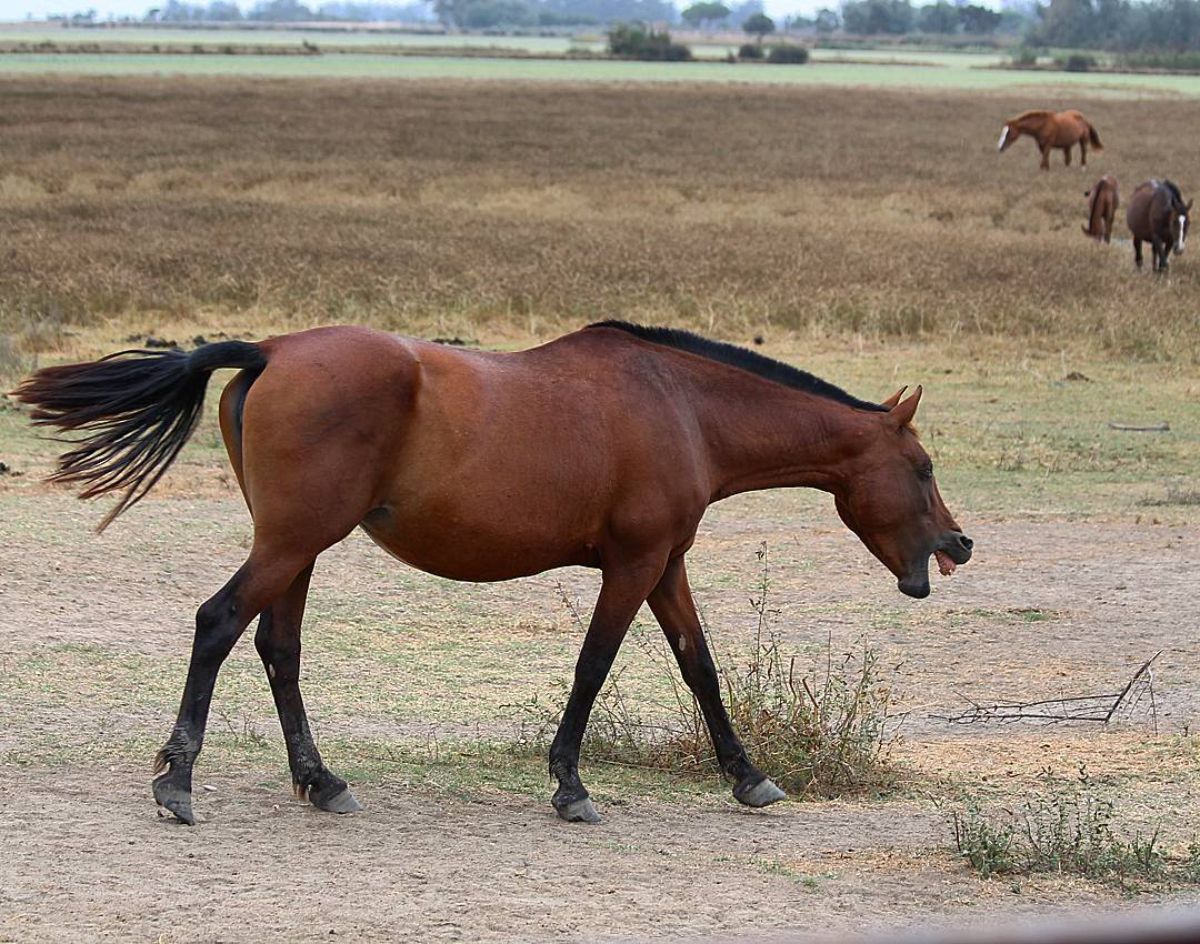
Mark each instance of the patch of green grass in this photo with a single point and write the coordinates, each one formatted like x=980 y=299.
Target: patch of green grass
x=1069 y=829
x=829 y=72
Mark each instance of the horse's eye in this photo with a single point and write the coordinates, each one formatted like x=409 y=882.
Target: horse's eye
x=925 y=472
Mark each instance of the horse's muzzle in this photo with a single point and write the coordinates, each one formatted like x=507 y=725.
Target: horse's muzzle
x=956 y=545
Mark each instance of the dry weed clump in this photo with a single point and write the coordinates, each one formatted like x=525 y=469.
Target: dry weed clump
x=416 y=205
x=818 y=730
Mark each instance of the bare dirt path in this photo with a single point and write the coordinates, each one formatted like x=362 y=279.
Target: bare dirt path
x=86 y=858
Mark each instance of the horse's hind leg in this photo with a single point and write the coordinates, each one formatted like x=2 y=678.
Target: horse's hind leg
x=1082 y=151
x=621 y=593
x=675 y=611
x=220 y=622
x=1137 y=252
x=1067 y=155
x=278 y=644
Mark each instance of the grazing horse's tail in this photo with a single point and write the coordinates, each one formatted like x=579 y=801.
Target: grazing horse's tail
x=1094 y=138
x=138 y=408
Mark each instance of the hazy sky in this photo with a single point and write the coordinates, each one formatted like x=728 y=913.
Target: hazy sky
x=19 y=9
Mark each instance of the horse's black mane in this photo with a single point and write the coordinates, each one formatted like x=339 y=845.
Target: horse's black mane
x=739 y=357
x=1170 y=185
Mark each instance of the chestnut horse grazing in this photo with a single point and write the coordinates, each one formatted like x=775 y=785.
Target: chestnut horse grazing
x=1052 y=129
x=601 y=449
x=1158 y=215
x=1103 y=200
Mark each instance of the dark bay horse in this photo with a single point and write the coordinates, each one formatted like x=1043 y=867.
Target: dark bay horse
x=1158 y=215
x=601 y=449
x=1103 y=200
x=1052 y=129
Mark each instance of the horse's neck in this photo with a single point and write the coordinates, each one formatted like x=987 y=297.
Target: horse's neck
x=765 y=435
x=1034 y=125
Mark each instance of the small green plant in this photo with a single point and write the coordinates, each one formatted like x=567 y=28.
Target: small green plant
x=787 y=54
x=986 y=845
x=1070 y=829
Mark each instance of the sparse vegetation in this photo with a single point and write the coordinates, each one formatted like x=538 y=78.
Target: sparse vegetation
x=787 y=54
x=638 y=41
x=1070 y=828
x=818 y=729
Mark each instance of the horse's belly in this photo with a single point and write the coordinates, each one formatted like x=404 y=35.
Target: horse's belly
x=480 y=550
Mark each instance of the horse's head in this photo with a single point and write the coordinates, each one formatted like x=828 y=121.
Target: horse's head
x=1008 y=134
x=1180 y=214
x=889 y=498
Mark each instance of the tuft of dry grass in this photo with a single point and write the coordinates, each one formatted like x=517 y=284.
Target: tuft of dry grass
x=823 y=732
x=443 y=207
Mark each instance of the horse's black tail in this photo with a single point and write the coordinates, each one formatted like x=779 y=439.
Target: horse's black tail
x=1094 y=138
x=138 y=409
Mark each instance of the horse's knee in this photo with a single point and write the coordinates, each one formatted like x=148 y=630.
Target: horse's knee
x=217 y=627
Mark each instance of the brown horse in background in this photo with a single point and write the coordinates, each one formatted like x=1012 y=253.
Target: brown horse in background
x=601 y=449
x=1158 y=215
x=1103 y=200
x=1052 y=129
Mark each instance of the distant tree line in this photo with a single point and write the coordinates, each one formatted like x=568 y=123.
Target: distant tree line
x=900 y=17
x=284 y=11
x=1150 y=26
x=1119 y=25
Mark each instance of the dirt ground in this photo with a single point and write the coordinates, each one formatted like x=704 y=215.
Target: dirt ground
x=85 y=857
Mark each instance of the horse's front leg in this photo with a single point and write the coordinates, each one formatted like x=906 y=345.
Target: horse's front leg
x=1137 y=252
x=623 y=590
x=1067 y=155
x=1045 y=165
x=220 y=622
x=675 y=611
x=278 y=644
x=1158 y=254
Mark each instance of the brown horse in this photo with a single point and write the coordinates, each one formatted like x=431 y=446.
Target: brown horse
x=1103 y=200
x=1052 y=129
x=1158 y=215
x=601 y=449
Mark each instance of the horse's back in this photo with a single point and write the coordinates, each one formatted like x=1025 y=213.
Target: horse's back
x=1137 y=211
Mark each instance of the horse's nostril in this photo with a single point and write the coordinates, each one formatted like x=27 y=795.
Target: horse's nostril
x=965 y=542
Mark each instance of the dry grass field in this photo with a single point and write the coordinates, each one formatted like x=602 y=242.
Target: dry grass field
x=872 y=237
x=463 y=207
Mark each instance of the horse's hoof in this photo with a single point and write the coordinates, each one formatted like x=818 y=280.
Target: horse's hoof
x=579 y=811
x=176 y=801
x=761 y=794
x=341 y=802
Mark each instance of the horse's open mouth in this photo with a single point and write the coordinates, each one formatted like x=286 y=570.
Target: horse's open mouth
x=945 y=565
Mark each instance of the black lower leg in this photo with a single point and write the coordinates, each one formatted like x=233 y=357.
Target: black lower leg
x=278 y=644
x=620 y=596
x=218 y=626
x=675 y=611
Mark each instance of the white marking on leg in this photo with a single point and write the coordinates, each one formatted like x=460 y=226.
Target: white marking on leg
x=1003 y=138
x=683 y=643
x=270 y=670
x=1182 y=234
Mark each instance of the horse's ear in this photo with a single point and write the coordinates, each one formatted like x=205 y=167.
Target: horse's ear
x=891 y=401
x=902 y=413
